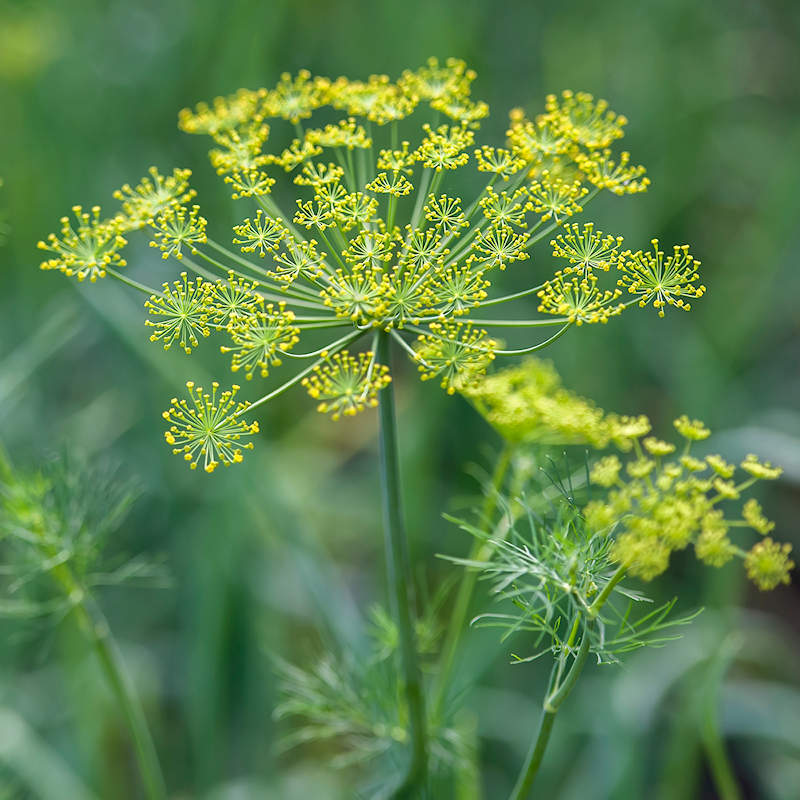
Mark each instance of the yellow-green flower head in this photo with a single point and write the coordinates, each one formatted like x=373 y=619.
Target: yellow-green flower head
x=527 y=403
x=388 y=223
x=260 y=235
x=87 y=249
x=644 y=556
x=446 y=214
x=662 y=281
x=753 y=515
x=626 y=430
x=657 y=447
x=142 y=203
x=586 y=249
x=345 y=384
x=207 y=428
x=347 y=133
x=605 y=472
x=713 y=547
x=260 y=339
x=177 y=229
x=554 y=198
x=691 y=429
x=455 y=352
x=499 y=247
x=395 y=184
x=249 y=182
x=658 y=507
x=464 y=112
x=397 y=160
x=295 y=98
x=445 y=147
x=240 y=149
x=436 y=82
x=588 y=122
x=454 y=291
x=720 y=466
x=505 y=211
x=179 y=313
x=768 y=564
x=762 y=470
x=297 y=153
x=579 y=299
x=498 y=161
x=223 y=114
x=618 y=175
x=231 y=301
x=535 y=142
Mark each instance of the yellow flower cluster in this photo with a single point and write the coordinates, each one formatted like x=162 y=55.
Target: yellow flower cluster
x=380 y=235
x=660 y=503
x=87 y=250
x=527 y=403
x=207 y=427
x=345 y=384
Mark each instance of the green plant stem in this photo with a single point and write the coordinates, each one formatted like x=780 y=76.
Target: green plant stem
x=595 y=607
x=398 y=574
x=551 y=705
x=95 y=628
x=713 y=743
x=480 y=552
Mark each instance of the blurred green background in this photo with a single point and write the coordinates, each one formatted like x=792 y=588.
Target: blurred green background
x=284 y=553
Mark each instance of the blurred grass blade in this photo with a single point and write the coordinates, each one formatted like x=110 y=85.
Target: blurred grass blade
x=35 y=763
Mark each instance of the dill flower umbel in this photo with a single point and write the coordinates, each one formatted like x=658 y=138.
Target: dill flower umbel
x=353 y=228
x=661 y=504
x=207 y=427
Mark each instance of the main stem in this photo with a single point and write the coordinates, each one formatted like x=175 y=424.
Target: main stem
x=398 y=575
x=95 y=627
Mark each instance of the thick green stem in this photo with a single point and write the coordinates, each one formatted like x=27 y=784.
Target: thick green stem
x=551 y=705
x=481 y=551
x=398 y=575
x=96 y=629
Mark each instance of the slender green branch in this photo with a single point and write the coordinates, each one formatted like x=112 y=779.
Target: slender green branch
x=508 y=297
x=600 y=600
x=96 y=629
x=134 y=284
x=519 y=323
x=399 y=577
x=329 y=350
x=534 y=347
x=714 y=745
x=552 y=703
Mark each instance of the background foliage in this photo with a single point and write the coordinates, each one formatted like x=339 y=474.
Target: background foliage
x=282 y=555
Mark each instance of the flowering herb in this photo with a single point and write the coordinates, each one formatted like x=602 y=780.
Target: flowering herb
x=375 y=240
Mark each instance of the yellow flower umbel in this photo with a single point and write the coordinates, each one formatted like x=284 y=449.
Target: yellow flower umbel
x=88 y=250
x=662 y=281
x=345 y=385
x=660 y=504
x=379 y=237
x=207 y=428
x=180 y=313
x=528 y=404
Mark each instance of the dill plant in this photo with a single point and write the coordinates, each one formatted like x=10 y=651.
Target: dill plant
x=356 y=243
x=56 y=525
